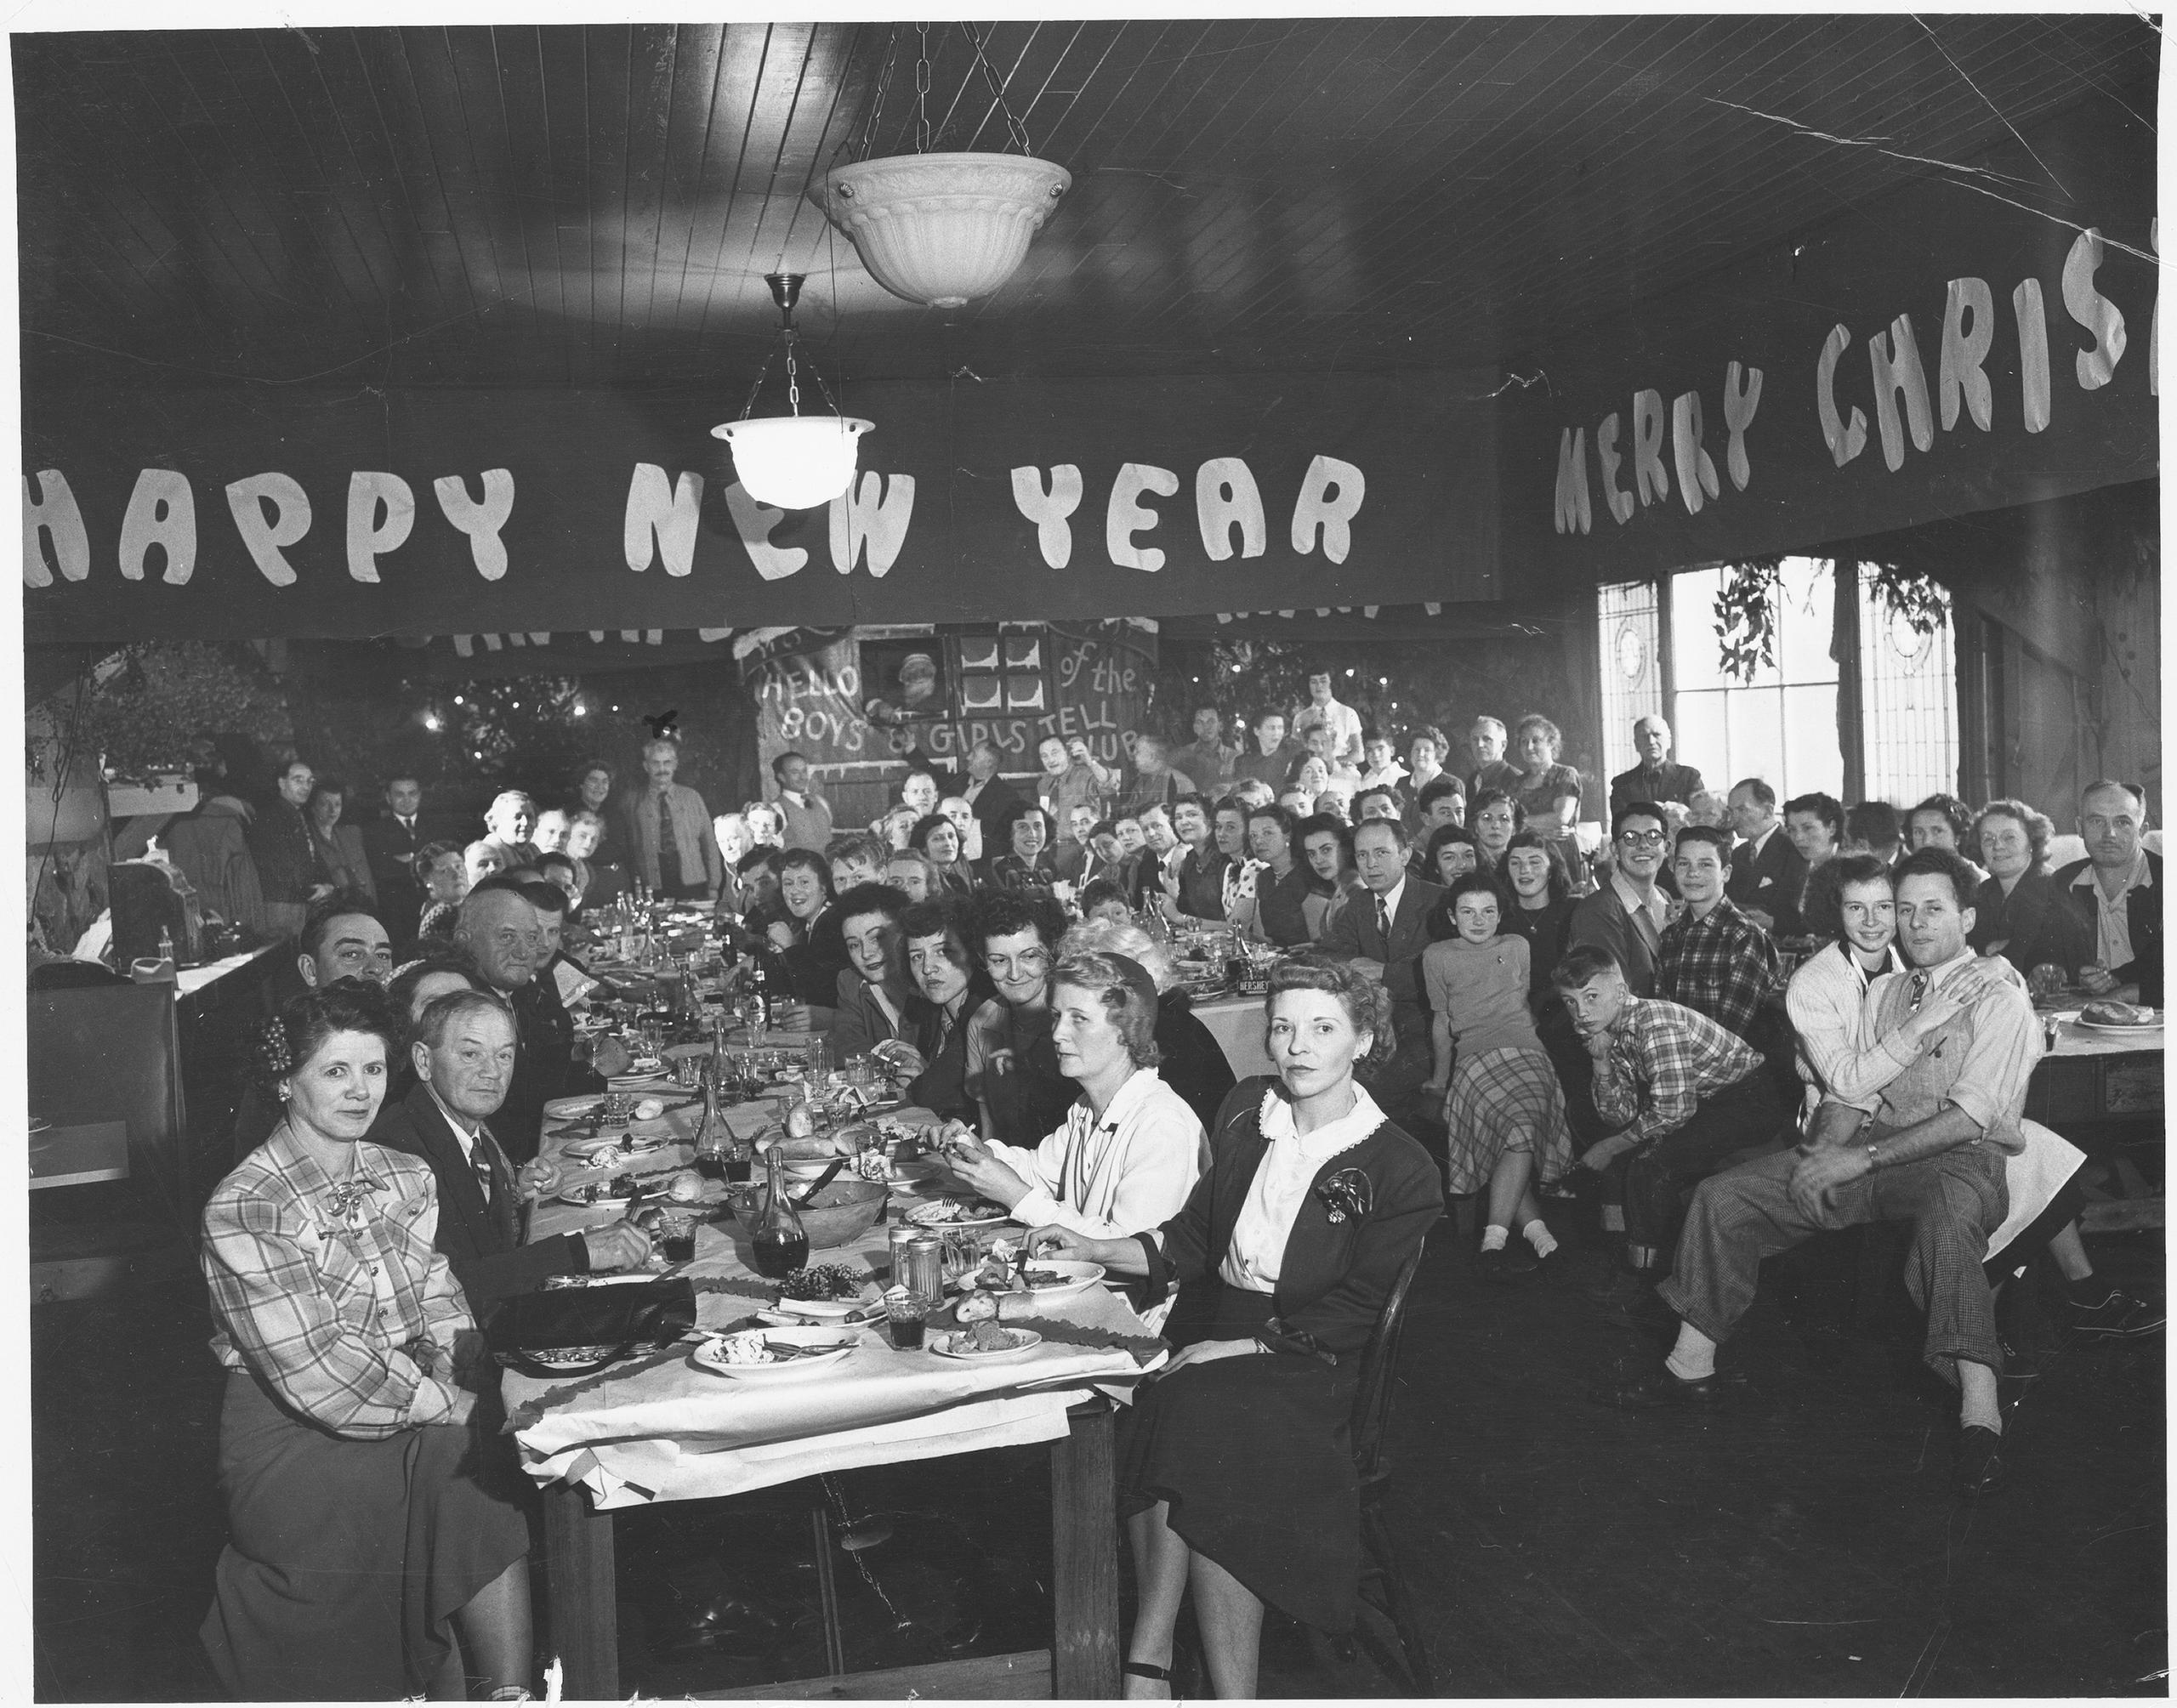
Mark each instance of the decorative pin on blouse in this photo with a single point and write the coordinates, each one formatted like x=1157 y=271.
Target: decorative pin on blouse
x=1347 y=1193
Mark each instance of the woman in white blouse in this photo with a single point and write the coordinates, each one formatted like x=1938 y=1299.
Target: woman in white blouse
x=1234 y=1469
x=1130 y=1149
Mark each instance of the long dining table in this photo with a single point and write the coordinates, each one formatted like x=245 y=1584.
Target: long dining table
x=663 y=1428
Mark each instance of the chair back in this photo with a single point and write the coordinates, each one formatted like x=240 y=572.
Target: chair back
x=1372 y=1396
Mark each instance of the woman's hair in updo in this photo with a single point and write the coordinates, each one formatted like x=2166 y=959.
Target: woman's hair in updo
x=1367 y=1005
x=347 y=1005
x=1118 y=979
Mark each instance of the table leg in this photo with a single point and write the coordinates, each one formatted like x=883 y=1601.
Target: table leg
x=581 y=1599
x=1085 y=1557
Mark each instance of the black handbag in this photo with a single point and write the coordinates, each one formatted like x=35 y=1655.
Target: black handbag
x=615 y=1318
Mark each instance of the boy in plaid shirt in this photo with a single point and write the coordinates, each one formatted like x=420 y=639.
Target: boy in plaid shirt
x=1713 y=959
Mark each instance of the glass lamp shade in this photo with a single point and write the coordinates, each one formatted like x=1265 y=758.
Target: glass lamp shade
x=794 y=461
x=939 y=228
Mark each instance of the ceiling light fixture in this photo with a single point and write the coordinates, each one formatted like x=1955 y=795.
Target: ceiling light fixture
x=792 y=462
x=940 y=229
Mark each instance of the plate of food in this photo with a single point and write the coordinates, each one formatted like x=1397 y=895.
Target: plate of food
x=609 y=1145
x=2118 y=1016
x=988 y=1342
x=773 y=1354
x=827 y=1292
x=618 y=1189
x=575 y=1108
x=568 y=1360
x=958 y=1212
x=1044 y=1278
x=648 y=1076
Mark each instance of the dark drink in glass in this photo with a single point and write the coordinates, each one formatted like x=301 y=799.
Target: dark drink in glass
x=906 y=1333
x=738 y=1163
x=778 y=1253
x=712 y=1166
x=678 y=1248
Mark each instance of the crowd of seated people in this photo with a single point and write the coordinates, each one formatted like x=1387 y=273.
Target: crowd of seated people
x=1739 y=1022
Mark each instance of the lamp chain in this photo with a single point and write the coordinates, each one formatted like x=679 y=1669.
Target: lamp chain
x=1016 y=132
x=883 y=86
x=922 y=93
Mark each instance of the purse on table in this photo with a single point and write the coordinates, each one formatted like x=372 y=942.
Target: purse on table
x=609 y=1321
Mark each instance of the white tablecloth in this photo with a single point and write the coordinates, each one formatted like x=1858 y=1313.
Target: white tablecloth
x=1237 y=1023
x=680 y=1432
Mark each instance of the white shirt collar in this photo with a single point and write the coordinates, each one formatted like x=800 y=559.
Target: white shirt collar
x=795 y=796
x=1327 y=1141
x=1392 y=901
x=1761 y=841
x=463 y=1130
x=1657 y=905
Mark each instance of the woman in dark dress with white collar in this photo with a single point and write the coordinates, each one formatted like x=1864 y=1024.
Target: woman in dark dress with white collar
x=1233 y=1460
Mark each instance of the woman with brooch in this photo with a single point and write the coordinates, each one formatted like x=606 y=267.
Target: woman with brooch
x=366 y=1561
x=1285 y=1253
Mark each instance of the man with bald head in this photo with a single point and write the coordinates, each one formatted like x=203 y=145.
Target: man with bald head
x=1657 y=777
x=502 y=932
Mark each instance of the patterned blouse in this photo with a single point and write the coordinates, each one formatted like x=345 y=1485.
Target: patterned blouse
x=331 y=1294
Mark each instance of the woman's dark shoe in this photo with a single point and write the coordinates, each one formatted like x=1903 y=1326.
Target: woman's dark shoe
x=1492 y=1266
x=1980 y=1461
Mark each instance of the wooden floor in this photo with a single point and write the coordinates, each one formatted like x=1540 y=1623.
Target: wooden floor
x=1807 y=1544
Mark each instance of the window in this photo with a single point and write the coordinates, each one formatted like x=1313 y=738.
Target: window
x=1908 y=693
x=1781 y=727
x=1632 y=675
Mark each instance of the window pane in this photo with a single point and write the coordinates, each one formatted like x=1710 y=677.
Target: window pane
x=1805 y=613
x=1755 y=716
x=1693 y=630
x=1812 y=760
x=1783 y=726
x=1628 y=637
x=1909 y=689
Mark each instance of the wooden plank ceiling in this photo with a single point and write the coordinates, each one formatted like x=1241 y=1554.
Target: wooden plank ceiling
x=595 y=206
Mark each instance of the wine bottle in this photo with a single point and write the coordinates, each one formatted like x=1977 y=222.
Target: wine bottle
x=780 y=1242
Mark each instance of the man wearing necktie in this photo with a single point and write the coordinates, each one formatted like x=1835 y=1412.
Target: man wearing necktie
x=1926 y=1149
x=669 y=828
x=463 y=1051
x=391 y=842
x=1386 y=938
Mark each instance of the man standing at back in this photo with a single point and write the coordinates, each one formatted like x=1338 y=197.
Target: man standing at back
x=1208 y=760
x=288 y=869
x=389 y=844
x=1657 y=777
x=2117 y=891
x=1384 y=934
x=1491 y=770
x=1324 y=711
x=807 y=814
x=1767 y=873
x=669 y=831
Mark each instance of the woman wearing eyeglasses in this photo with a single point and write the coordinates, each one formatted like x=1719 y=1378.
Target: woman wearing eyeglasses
x=1013 y=1071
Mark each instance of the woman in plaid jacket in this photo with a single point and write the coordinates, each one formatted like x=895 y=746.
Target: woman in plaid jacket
x=366 y=1559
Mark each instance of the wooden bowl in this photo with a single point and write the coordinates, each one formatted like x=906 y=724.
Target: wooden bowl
x=846 y=1208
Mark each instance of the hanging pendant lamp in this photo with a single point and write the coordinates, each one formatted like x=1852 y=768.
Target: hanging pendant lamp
x=942 y=228
x=792 y=462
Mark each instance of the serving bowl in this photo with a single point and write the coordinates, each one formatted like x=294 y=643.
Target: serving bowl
x=843 y=1209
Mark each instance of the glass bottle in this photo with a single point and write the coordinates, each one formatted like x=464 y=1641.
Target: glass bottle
x=780 y=1242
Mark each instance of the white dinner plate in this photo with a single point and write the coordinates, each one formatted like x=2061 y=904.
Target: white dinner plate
x=710 y=1354
x=574 y=1108
x=568 y=1358
x=643 y=1082
x=638 y=1144
x=947 y=1345
x=2086 y=1025
x=573 y=1195
x=831 y=1310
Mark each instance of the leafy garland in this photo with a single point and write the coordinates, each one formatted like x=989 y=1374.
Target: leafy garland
x=1747 y=613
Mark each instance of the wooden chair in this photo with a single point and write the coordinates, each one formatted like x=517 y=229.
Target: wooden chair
x=1372 y=1411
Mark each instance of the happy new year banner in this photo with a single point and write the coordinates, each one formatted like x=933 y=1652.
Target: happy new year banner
x=212 y=514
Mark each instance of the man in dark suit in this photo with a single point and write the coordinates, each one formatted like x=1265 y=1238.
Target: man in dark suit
x=2116 y=893
x=1384 y=934
x=288 y=869
x=1768 y=874
x=389 y=844
x=464 y=1053
x=1657 y=777
x=990 y=797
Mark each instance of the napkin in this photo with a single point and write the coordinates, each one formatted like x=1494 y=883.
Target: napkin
x=526 y=1414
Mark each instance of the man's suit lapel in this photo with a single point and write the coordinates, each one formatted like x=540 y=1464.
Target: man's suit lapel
x=457 y=1189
